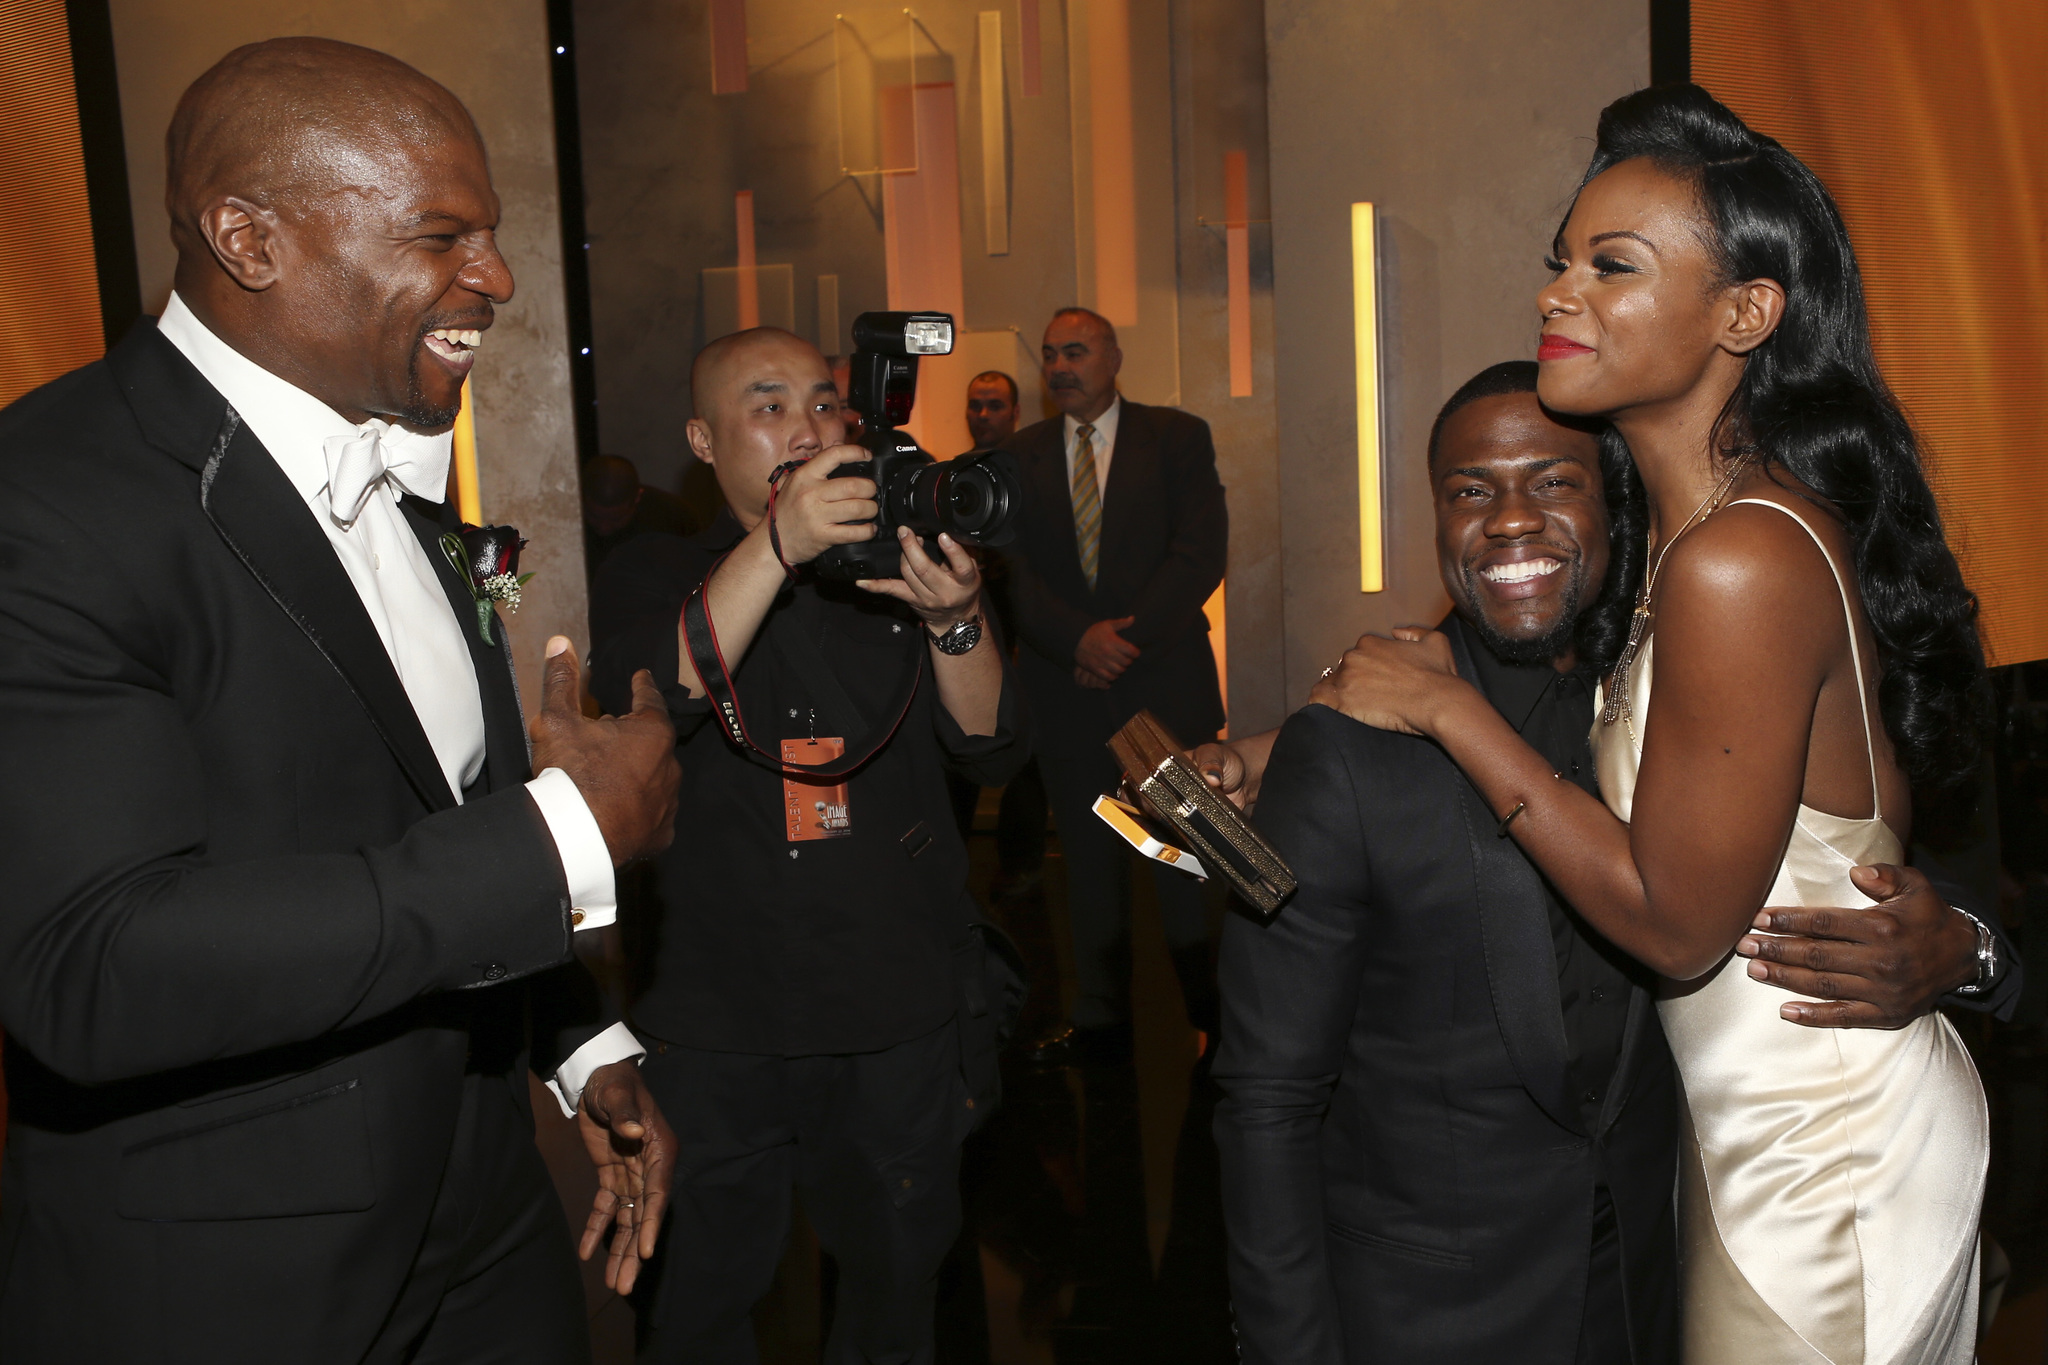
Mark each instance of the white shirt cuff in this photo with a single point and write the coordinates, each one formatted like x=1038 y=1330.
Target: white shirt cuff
x=615 y=1044
x=586 y=861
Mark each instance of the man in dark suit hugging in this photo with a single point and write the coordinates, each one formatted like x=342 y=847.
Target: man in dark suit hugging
x=1449 y=1130
x=1122 y=541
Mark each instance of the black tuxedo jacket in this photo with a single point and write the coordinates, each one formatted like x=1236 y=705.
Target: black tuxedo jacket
x=1165 y=535
x=1407 y=1175
x=249 y=942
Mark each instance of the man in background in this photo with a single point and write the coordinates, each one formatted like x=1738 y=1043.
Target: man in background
x=1123 y=540
x=617 y=507
x=991 y=409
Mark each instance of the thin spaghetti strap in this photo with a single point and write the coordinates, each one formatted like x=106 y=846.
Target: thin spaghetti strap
x=1855 y=654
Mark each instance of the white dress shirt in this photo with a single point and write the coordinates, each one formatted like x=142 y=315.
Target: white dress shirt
x=401 y=593
x=1105 y=446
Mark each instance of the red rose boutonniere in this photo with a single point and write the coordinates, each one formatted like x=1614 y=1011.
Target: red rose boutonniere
x=487 y=557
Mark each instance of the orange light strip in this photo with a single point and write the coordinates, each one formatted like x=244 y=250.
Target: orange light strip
x=1365 y=316
x=1237 y=235
x=468 y=502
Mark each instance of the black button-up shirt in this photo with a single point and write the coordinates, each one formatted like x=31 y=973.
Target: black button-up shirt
x=1553 y=711
x=769 y=946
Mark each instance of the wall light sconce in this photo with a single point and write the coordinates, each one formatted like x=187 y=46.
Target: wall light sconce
x=1365 y=322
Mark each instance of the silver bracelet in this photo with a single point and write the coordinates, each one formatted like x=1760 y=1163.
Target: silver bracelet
x=1987 y=955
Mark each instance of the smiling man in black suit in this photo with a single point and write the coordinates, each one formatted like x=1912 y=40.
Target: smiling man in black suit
x=1450 y=1129
x=1122 y=541
x=289 y=914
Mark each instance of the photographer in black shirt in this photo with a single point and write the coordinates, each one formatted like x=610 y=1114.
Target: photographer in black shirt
x=801 y=993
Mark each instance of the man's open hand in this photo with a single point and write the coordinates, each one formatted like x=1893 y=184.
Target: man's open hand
x=624 y=766
x=1881 y=966
x=634 y=1151
x=1105 y=653
x=943 y=592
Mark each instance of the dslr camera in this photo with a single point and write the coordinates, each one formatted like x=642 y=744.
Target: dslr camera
x=973 y=499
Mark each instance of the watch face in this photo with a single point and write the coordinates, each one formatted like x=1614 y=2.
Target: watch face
x=960 y=638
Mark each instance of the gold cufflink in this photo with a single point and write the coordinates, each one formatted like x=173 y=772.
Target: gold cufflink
x=575 y=918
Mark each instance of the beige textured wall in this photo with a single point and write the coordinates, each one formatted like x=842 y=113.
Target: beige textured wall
x=1469 y=122
x=525 y=436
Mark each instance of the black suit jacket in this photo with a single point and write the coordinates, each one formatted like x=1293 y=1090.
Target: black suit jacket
x=249 y=941
x=1407 y=1175
x=1165 y=536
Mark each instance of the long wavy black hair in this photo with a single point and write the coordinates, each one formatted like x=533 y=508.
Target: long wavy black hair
x=1812 y=401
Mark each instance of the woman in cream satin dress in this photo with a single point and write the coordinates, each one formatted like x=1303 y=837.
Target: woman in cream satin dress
x=1778 y=555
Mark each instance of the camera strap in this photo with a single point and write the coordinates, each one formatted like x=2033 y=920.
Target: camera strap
x=775 y=478
x=702 y=639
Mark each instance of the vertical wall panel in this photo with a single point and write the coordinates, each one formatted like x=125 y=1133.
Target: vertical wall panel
x=749 y=276
x=1943 y=181
x=49 y=287
x=1028 y=48
x=1120 y=101
x=1112 y=161
x=921 y=244
x=995 y=158
x=728 y=47
x=1237 y=232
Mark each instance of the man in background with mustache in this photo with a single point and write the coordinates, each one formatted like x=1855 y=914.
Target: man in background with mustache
x=1121 y=543
x=289 y=915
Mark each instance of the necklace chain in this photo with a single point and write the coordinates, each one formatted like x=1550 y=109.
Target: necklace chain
x=1618 y=701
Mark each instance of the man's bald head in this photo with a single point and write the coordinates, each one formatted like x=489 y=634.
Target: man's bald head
x=335 y=223
x=762 y=397
x=719 y=374
x=1090 y=322
x=296 y=119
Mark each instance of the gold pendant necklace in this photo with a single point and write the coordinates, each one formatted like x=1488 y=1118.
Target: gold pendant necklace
x=1617 y=707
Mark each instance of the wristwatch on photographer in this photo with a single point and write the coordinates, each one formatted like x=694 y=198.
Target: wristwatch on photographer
x=961 y=638
x=1987 y=955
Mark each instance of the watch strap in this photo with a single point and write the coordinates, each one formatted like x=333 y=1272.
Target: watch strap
x=1987 y=954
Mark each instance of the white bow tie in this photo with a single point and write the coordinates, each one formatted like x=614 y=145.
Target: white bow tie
x=381 y=450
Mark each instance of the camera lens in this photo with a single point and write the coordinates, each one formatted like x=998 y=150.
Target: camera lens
x=972 y=500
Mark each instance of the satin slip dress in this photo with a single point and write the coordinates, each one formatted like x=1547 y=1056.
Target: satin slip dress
x=1830 y=1180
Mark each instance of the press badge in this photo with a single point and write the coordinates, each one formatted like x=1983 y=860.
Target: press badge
x=814 y=807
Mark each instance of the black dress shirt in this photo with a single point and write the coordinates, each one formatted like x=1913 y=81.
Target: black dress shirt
x=784 y=948
x=1553 y=711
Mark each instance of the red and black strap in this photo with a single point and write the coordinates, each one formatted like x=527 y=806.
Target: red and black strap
x=702 y=639
x=775 y=478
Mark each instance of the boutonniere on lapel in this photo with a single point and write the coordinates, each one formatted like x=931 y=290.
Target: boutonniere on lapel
x=487 y=557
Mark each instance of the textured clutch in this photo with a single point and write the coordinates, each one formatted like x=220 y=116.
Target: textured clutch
x=1170 y=788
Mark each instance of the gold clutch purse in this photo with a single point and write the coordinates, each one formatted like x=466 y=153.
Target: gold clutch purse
x=1168 y=787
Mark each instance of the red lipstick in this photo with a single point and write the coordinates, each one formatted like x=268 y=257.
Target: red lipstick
x=1560 y=348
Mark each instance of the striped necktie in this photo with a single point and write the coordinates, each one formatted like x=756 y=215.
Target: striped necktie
x=1087 y=502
